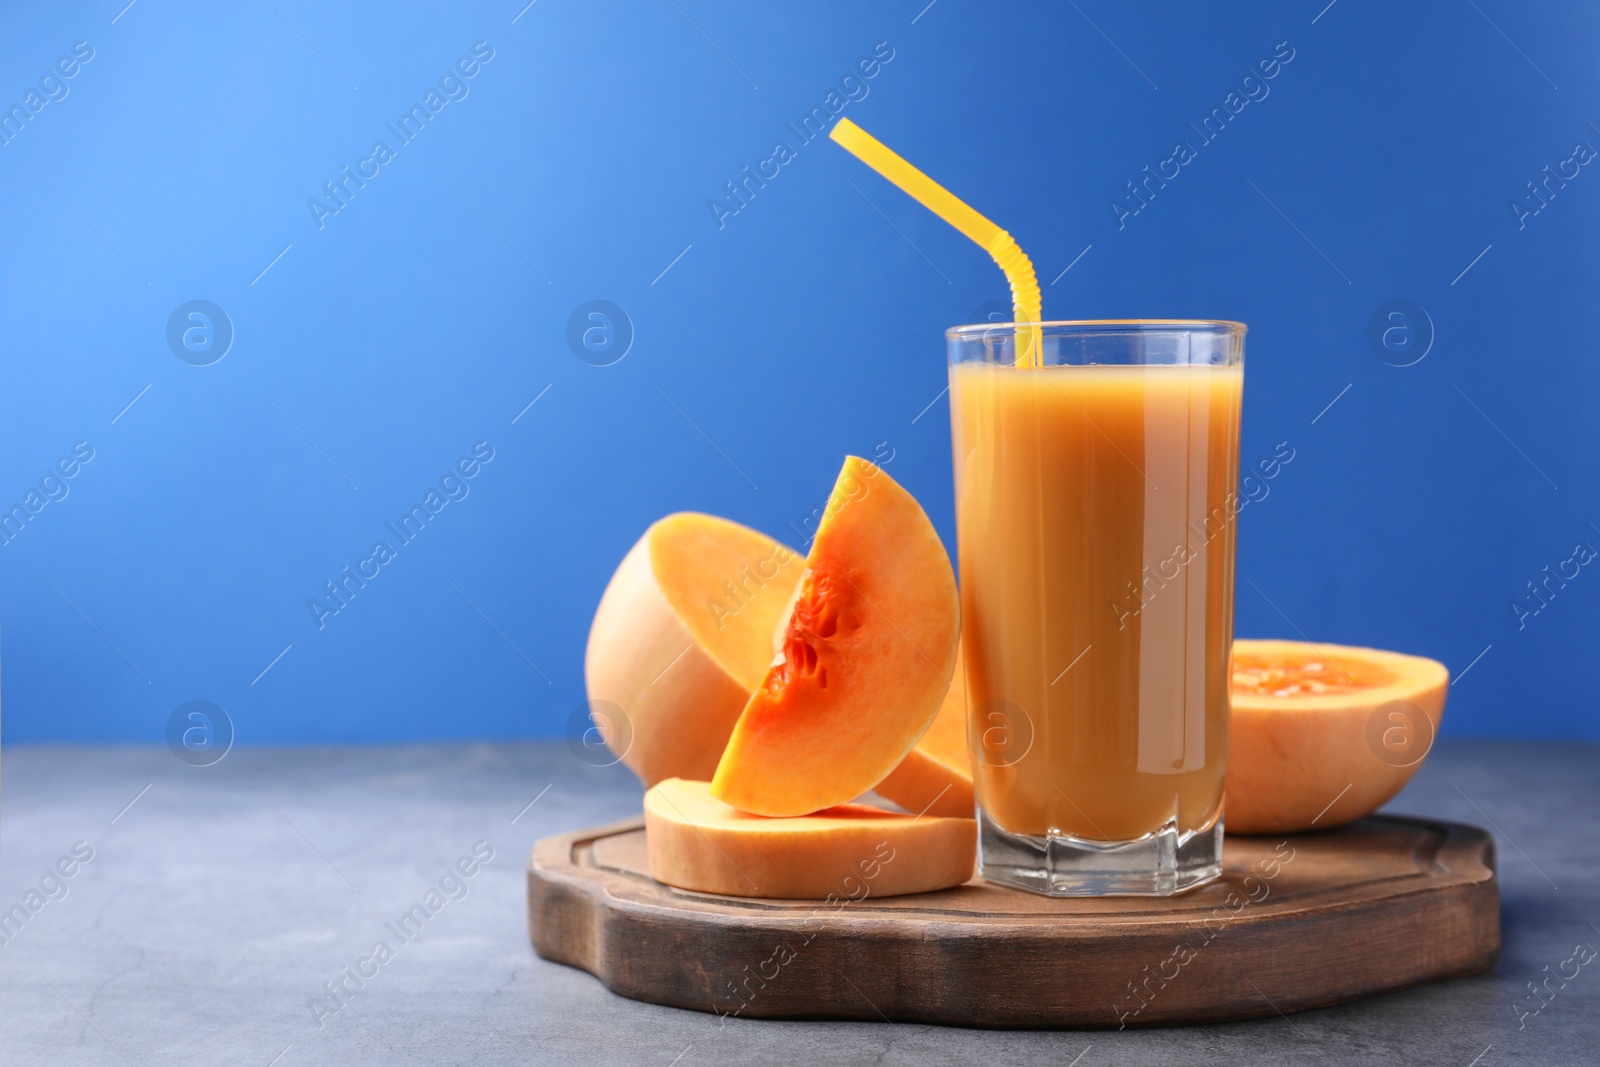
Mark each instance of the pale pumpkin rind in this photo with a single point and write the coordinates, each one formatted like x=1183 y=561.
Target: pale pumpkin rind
x=1312 y=761
x=849 y=852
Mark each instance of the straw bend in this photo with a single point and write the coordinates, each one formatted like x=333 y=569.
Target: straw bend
x=1018 y=268
x=1001 y=246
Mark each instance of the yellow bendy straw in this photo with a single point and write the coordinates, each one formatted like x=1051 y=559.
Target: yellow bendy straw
x=1000 y=245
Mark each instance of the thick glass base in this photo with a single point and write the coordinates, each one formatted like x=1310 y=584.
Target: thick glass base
x=1160 y=864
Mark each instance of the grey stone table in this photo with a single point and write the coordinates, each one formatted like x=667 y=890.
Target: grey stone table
x=202 y=911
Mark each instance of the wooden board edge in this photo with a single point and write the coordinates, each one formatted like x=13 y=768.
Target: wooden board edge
x=576 y=919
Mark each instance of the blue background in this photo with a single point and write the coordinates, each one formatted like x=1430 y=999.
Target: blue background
x=430 y=310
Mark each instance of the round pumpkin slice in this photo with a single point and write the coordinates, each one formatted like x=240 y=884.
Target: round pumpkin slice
x=1320 y=735
x=851 y=851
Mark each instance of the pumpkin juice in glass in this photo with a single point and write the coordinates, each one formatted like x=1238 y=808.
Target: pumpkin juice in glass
x=1096 y=483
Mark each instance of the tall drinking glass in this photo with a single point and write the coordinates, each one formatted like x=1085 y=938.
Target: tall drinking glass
x=1096 y=494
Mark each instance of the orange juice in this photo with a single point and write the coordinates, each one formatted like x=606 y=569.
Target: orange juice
x=1095 y=513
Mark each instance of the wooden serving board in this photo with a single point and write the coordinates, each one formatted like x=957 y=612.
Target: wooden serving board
x=1294 y=923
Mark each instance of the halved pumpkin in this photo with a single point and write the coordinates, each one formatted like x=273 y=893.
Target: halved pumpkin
x=681 y=637
x=866 y=659
x=1320 y=735
x=850 y=852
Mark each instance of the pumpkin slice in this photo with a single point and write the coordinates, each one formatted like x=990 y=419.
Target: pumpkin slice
x=681 y=637
x=850 y=852
x=936 y=775
x=867 y=656
x=1320 y=735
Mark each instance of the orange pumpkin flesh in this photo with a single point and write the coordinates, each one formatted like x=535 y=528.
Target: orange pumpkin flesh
x=1320 y=735
x=936 y=775
x=866 y=658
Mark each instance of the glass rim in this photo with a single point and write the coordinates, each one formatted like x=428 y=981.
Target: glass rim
x=982 y=330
